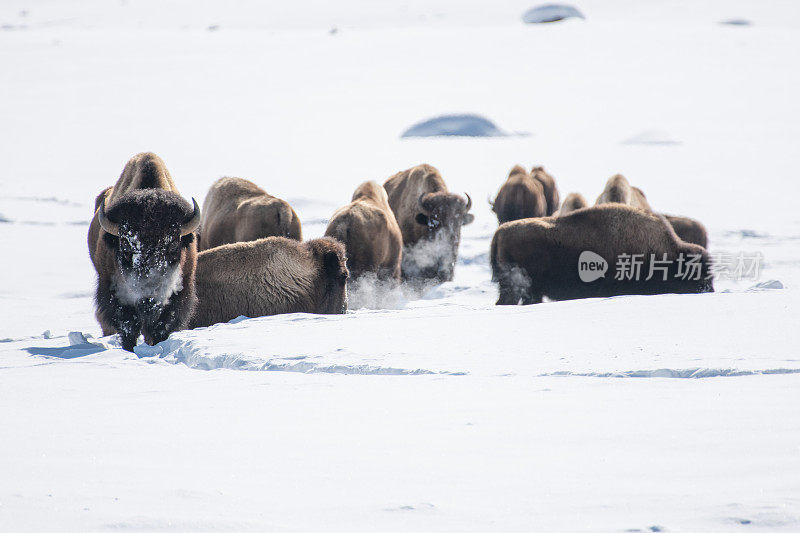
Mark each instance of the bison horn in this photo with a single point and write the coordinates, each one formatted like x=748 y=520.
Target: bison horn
x=420 y=200
x=105 y=223
x=469 y=202
x=194 y=222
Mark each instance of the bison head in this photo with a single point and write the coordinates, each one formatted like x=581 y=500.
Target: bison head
x=149 y=232
x=442 y=214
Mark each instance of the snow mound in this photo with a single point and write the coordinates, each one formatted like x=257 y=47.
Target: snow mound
x=79 y=346
x=651 y=137
x=756 y=338
x=551 y=13
x=467 y=125
x=736 y=22
x=772 y=284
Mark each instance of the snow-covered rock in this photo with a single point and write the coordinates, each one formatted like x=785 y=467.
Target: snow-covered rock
x=455 y=125
x=551 y=13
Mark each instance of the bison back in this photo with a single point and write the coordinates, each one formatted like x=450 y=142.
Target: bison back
x=143 y=171
x=689 y=230
x=547 y=257
x=371 y=239
x=549 y=188
x=269 y=276
x=520 y=198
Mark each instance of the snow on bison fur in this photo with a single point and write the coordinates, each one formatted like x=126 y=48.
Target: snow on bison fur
x=142 y=245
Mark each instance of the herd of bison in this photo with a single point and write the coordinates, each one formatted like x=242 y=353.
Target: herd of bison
x=164 y=264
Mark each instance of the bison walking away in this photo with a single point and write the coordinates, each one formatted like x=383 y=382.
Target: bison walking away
x=521 y=196
x=549 y=187
x=270 y=276
x=237 y=210
x=618 y=190
x=430 y=219
x=572 y=202
x=142 y=245
x=369 y=231
x=689 y=229
x=534 y=258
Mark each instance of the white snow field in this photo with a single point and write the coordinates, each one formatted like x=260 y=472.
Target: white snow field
x=440 y=413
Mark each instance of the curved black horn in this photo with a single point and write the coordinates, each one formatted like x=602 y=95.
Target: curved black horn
x=194 y=222
x=469 y=202
x=105 y=223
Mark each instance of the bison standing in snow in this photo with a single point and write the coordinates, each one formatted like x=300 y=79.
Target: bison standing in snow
x=689 y=229
x=237 y=210
x=142 y=244
x=369 y=231
x=618 y=190
x=270 y=276
x=430 y=219
x=521 y=196
x=534 y=258
x=572 y=202
x=549 y=188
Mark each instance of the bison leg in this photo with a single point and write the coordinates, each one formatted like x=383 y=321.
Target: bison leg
x=114 y=317
x=530 y=298
x=163 y=326
x=172 y=317
x=514 y=284
x=158 y=332
x=508 y=295
x=128 y=325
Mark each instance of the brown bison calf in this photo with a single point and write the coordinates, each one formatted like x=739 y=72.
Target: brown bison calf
x=142 y=245
x=534 y=258
x=549 y=187
x=572 y=202
x=238 y=210
x=430 y=219
x=370 y=234
x=521 y=196
x=270 y=276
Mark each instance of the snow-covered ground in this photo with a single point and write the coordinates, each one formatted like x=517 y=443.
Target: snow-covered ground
x=443 y=413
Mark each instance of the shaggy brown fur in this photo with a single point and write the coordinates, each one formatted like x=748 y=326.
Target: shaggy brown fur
x=143 y=171
x=572 y=202
x=521 y=196
x=550 y=189
x=237 y=210
x=270 y=276
x=369 y=231
x=145 y=267
x=638 y=199
x=430 y=219
x=534 y=258
x=689 y=230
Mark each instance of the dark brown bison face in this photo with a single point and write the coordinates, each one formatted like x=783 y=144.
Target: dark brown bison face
x=442 y=214
x=149 y=232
